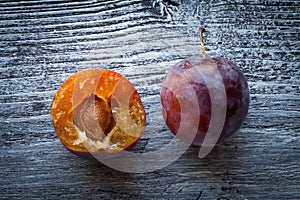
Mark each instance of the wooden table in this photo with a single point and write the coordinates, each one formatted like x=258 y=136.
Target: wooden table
x=44 y=42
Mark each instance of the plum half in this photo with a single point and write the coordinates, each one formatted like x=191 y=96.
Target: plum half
x=202 y=94
x=97 y=111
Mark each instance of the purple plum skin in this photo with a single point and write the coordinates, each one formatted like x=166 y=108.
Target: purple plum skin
x=237 y=98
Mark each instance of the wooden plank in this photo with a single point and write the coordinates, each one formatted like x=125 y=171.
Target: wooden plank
x=43 y=42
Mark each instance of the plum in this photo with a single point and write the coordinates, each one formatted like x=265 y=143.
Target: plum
x=97 y=111
x=201 y=95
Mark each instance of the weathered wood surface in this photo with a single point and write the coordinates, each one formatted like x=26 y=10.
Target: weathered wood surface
x=43 y=42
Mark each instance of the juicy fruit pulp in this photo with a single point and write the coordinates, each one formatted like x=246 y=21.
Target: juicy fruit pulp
x=97 y=110
x=185 y=78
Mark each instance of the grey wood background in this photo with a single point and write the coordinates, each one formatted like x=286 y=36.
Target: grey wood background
x=43 y=42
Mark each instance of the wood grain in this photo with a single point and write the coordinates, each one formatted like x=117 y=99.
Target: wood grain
x=43 y=42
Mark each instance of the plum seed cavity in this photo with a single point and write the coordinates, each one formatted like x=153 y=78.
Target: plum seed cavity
x=94 y=117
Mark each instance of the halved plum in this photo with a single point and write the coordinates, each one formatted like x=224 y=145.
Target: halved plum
x=97 y=111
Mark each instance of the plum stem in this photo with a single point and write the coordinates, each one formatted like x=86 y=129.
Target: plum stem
x=201 y=30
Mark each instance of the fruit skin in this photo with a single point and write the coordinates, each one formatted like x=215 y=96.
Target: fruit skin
x=113 y=98
x=185 y=72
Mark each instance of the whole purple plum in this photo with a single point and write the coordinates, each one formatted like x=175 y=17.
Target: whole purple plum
x=204 y=96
